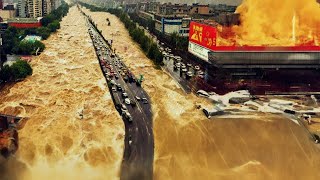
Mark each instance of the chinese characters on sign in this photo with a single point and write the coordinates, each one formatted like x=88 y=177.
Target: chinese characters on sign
x=202 y=35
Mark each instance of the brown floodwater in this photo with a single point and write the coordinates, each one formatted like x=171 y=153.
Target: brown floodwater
x=56 y=143
x=189 y=146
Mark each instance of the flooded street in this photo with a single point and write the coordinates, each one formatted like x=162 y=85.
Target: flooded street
x=189 y=146
x=66 y=82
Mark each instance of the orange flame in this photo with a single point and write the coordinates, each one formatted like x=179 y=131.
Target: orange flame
x=274 y=23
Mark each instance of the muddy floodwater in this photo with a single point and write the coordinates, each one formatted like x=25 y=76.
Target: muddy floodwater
x=189 y=146
x=56 y=143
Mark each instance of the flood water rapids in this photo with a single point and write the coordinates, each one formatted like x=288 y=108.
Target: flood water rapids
x=66 y=82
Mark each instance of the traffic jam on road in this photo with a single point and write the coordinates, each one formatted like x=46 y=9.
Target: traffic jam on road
x=118 y=76
x=186 y=74
x=132 y=103
x=175 y=62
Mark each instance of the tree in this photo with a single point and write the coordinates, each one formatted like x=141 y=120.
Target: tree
x=54 y=26
x=145 y=43
x=5 y=73
x=44 y=32
x=40 y=45
x=45 y=21
x=20 y=69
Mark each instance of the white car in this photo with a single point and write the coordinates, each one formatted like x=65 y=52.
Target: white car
x=127 y=101
x=203 y=93
x=125 y=95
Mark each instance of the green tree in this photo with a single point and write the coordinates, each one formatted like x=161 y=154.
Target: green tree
x=5 y=73
x=44 y=32
x=20 y=69
x=38 y=44
x=145 y=43
x=54 y=26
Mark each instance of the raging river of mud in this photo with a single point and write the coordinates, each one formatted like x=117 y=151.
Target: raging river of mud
x=66 y=82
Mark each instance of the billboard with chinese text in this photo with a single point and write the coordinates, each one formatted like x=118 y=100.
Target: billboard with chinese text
x=202 y=35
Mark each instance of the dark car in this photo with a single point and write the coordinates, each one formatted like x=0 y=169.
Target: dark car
x=145 y=100
x=133 y=103
x=125 y=79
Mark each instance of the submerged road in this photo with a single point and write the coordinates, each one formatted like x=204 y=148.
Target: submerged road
x=139 y=143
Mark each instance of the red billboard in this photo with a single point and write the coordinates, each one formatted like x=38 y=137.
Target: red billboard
x=202 y=35
x=25 y=25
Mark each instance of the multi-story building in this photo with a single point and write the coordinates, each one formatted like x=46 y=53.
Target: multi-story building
x=30 y=9
x=22 y=8
x=170 y=24
x=36 y=8
x=56 y=4
x=7 y=14
x=46 y=7
x=199 y=9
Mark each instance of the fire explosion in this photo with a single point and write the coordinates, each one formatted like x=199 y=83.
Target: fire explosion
x=274 y=23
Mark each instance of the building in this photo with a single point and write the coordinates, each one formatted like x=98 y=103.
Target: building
x=228 y=19
x=46 y=7
x=9 y=7
x=7 y=14
x=266 y=57
x=223 y=8
x=199 y=9
x=202 y=43
x=25 y=22
x=36 y=8
x=131 y=8
x=170 y=24
x=22 y=8
x=55 y=4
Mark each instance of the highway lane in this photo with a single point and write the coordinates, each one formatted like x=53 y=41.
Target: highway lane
x=139 y=153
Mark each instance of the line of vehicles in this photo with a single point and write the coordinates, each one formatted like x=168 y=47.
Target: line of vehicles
x=187 y=69
x=113 y=71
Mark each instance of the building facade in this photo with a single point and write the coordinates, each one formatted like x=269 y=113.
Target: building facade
x=7 y=14
x=168 y=25
x=22 y=8
x=36 y=8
